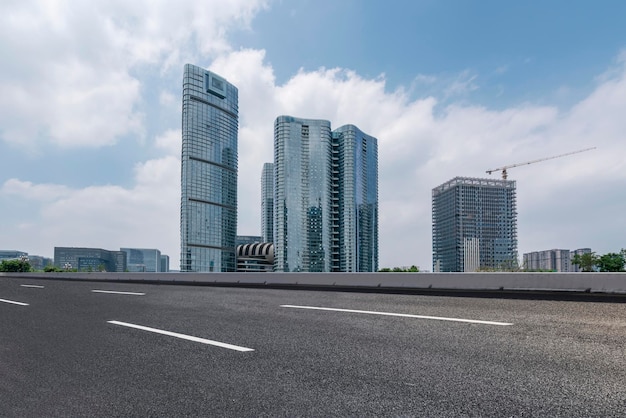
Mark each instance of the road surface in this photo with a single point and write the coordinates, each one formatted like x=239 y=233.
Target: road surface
x=115 y=349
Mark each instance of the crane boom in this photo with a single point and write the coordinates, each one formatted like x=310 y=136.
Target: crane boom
x=504 y=172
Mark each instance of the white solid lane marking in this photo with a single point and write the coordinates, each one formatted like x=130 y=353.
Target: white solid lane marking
x=34 y=286
x=119 y=293
x=14 y=302
x=183 y=336
x=438 y=318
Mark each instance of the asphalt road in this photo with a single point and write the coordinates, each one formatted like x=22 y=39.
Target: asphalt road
x=75 y=352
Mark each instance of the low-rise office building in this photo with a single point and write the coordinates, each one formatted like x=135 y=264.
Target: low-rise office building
x=12 y=254
x=143 y=260
x=89 y=259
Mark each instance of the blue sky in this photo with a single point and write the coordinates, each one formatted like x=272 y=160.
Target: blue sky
x=90 y=110
x=522 y=48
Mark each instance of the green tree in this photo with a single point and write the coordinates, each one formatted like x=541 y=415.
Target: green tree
x=52 y=268
x=612 y=262
x=586 y=261
x=15 y=266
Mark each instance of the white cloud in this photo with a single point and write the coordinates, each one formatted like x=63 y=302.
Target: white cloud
x=28 y=190
x=110 y=216
x=170 y=141
x=168 y=99
x=70 y=77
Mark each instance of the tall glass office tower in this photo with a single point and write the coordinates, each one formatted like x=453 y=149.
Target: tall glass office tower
x=355 y=193
x=302 y=194
x=325 y=197
x=208 y=208
x=267 y=203
x=474 y=225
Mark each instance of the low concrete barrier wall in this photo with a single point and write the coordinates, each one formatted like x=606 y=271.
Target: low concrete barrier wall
x=562 y=282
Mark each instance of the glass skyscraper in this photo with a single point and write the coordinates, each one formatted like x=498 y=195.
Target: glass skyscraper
x=355 y=193
x=208 y=216
x=474 y=225
x=325 y=197
x=267 y=203
x=302 y=195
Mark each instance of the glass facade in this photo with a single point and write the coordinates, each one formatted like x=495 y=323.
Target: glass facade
x=302 y=194
x=267 y=203
x=12 y=254
x=355 y=194
x=165 y=263
x=325 y=197
x=143 y=260
x=208 y=223
x=89 y=259
x=474 y=225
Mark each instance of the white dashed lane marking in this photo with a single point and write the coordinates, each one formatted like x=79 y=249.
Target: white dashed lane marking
x=182 y=336
x=13 y=302
x=115 y=292
x=34 y=286
x=437 y=318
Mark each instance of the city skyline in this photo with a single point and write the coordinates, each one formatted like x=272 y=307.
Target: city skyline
x=449 y=89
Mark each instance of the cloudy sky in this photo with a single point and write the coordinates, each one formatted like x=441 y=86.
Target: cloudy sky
x=90 y=110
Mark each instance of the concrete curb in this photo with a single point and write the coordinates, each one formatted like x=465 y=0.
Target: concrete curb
x=609 y=283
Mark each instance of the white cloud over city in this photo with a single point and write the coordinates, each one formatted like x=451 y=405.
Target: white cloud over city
x=73 y=84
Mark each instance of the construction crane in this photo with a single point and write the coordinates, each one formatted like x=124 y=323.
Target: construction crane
x=506 y=167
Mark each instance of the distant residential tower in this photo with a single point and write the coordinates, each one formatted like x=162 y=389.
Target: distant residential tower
x=267 y=203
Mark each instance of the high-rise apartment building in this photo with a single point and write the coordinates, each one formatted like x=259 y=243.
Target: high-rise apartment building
x=355 y=193
x=581 y=251
x=325 y=197
x=474 y=225
x=551 y=260
x=208 y=219
x=267 y=203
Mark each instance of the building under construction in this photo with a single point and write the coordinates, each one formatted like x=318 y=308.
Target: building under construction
x=474 y=225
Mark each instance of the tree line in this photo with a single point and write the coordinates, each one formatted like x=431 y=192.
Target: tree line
x=608 y=262
x=15 y=266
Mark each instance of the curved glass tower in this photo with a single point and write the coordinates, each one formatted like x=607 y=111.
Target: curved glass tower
x=208 y=208
x=302 y=194
x=355 y=162
x=325 y=197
